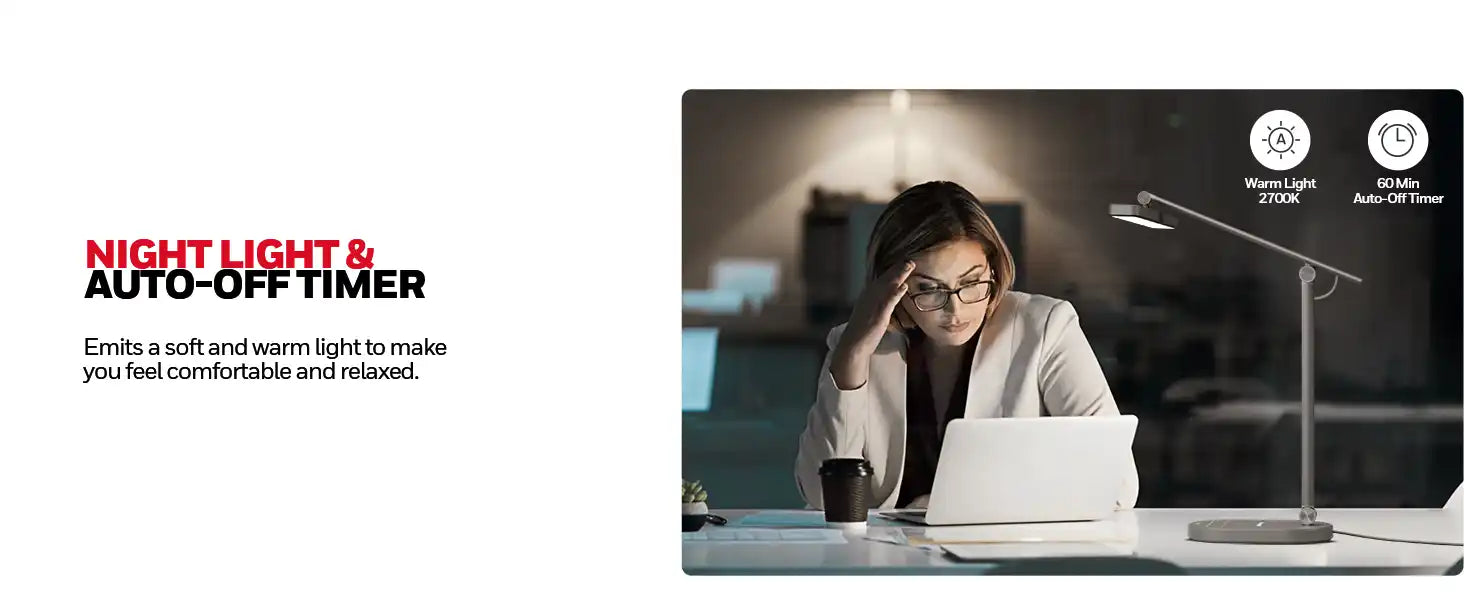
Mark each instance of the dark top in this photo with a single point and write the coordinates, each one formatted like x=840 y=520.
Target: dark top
x=922 y=426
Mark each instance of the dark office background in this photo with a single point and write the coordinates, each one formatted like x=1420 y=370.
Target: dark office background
x=1196 y=330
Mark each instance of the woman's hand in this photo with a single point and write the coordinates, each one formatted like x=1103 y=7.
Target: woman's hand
x=850 y=362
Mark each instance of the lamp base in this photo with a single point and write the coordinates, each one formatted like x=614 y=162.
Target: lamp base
x=1260 y=531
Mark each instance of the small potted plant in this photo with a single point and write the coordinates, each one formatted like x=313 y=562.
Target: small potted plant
x=693 y=506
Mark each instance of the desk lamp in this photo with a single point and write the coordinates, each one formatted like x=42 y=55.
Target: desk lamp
x=1307 y=529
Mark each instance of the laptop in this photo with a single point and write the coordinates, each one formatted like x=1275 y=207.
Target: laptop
x=1027 y=470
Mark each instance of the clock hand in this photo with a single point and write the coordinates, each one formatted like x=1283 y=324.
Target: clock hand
x=1400 y=134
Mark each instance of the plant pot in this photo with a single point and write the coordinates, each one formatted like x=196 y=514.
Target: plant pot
x=693 y=516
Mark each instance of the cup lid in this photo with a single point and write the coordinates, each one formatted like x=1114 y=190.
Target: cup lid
x=846 y=466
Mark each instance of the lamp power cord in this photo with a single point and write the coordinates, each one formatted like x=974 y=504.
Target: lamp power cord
x=1388 y=539
x=1335 y=279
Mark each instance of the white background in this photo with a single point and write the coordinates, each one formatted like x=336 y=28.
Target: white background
x=500 y=148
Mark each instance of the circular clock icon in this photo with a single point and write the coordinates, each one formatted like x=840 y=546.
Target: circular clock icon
x=1397 y=140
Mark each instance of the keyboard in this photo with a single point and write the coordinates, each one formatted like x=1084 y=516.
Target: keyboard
x=913 y=515
x=740 y=534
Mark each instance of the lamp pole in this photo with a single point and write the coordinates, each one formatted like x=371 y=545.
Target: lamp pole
x=1308 y=417
x=1307 y=529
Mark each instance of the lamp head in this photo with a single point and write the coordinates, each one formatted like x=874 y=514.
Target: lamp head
x=1142 y=214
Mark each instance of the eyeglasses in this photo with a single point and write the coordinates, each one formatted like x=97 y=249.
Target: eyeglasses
x=938 y=299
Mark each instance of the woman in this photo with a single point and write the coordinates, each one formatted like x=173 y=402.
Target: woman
x=938 y=334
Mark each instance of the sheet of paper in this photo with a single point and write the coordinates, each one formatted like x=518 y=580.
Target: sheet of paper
x=899 y=536
x=744 y=535
x=888 y=535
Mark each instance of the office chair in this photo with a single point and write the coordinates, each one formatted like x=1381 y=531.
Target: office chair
x=1088 y=565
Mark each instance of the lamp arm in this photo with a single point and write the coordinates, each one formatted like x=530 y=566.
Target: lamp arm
x=1146 y=197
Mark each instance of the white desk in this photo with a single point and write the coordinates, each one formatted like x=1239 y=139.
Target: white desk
x=1161 y=534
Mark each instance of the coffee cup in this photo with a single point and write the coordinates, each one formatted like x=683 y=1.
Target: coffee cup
x=846 y=491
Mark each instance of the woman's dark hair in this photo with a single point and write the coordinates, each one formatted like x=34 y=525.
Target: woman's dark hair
x=932 y=214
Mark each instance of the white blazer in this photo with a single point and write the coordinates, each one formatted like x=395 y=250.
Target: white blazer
x=1031 y=360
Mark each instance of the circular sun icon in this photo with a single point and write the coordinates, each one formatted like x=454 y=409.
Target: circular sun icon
x=1280 y=140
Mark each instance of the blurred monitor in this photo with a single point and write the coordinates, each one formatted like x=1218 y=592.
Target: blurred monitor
x=755 y=278
x=698 y=361
x=712 y=302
